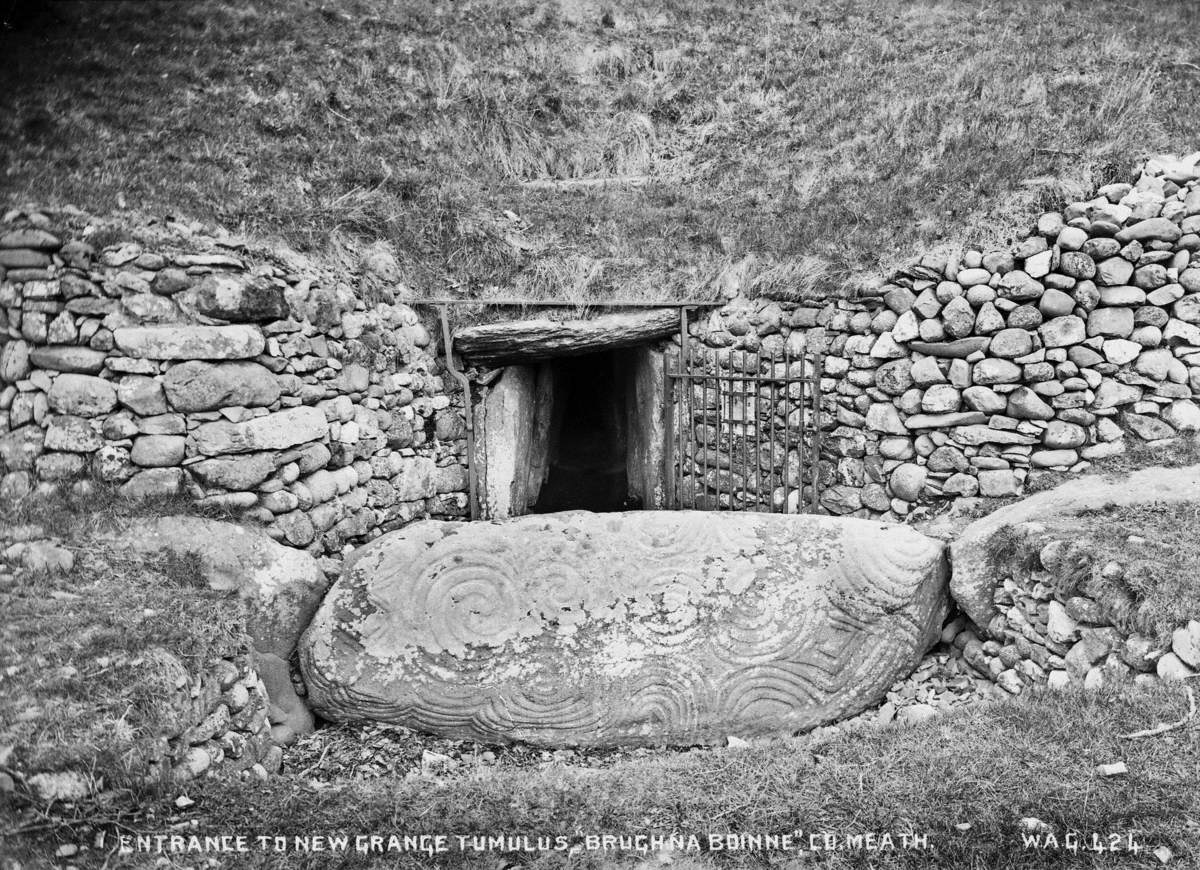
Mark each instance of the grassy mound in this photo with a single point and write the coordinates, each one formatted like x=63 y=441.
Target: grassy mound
x=575 y=149
x=94 y=657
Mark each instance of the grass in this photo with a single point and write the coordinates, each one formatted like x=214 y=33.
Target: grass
x=987 y=768
x=1176 y=452
x=91 y=657
x=579 y=150
x=1156 y=544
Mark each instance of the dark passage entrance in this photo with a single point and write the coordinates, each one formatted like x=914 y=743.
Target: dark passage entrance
x=587 y=445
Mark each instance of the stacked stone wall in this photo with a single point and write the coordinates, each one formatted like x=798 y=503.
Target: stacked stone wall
x=182 y=366
x=316 y=404
x=969 y=375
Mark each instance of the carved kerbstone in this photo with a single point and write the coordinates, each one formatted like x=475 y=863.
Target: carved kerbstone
x=637 y=628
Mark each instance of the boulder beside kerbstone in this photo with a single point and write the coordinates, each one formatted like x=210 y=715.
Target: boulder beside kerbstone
x=975 y=573
x=281 y=587
x=641 y=628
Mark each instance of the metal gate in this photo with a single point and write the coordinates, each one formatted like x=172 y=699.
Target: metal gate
x=744 y=436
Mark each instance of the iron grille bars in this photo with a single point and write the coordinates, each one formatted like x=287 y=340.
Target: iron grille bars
x=726 y=472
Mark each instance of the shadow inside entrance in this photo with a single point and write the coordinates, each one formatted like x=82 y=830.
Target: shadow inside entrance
x=588 y=440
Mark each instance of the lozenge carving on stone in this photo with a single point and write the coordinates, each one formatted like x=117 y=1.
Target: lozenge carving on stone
x=635 y=628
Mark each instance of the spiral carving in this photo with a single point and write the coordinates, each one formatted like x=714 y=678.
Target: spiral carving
x=639 y=628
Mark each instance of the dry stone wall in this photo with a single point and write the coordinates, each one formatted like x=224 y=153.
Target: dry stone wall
x=316 y=404
x=230 y=728
x=968 y=375
x=310 y=403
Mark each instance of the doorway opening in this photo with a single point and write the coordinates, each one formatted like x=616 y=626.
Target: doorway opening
x=587 y=445
x=581 y=432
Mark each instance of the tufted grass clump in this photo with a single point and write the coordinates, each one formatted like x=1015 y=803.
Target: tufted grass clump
x=1158 y=551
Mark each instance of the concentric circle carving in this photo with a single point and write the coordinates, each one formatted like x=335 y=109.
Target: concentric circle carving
x=611 y=629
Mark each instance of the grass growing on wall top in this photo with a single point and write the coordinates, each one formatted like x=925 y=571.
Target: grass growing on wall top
x=574 y=149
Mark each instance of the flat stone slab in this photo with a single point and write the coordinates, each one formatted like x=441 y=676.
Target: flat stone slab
x=957 y=349
x=276 y=431
x=525 y=340
x=649 y=628
x=190 y=342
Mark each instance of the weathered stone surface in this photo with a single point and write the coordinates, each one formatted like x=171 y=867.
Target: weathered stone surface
x=1063 y=331
x=1146 y=427
x=1188 y=308
x=984 y=400
x=883 y=417
x=16 y=259
x=14 y=361
x=157 y=451
x=30 y=237
x=959 y=349
x=973 y=435
x=1159 y=228
x=1053 y=458
x=1120 y=351
x=82 y=395
x=996 y=371
x=1112 y=394
x=72 y=434
x=234 y=472
x=1011 y=343
x=925 y=372
x=519 y=341
x=1124 y=295
x=908 y=480
x=416 y=479
x=1059 y=435
x=961 y=484
x=1077 y=265
x=1185 y=643
x=20 y=448
x=1113 y=272
x=894 y=377
x=67 y=358
x=1025 y=404
x=1019 y=286
x=937 y=421
x=190 y=342
x=941 y=399
x=201 y=386
x=1114 y=322
x=154 y=483
x=609 y=629
x=958 y=318
x=111 y=464
x=142 y=395
x=1183 y=415
x=975 y=575
x=272 y=432
x=237 y=298
x=162 y=424
x=281 y=587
